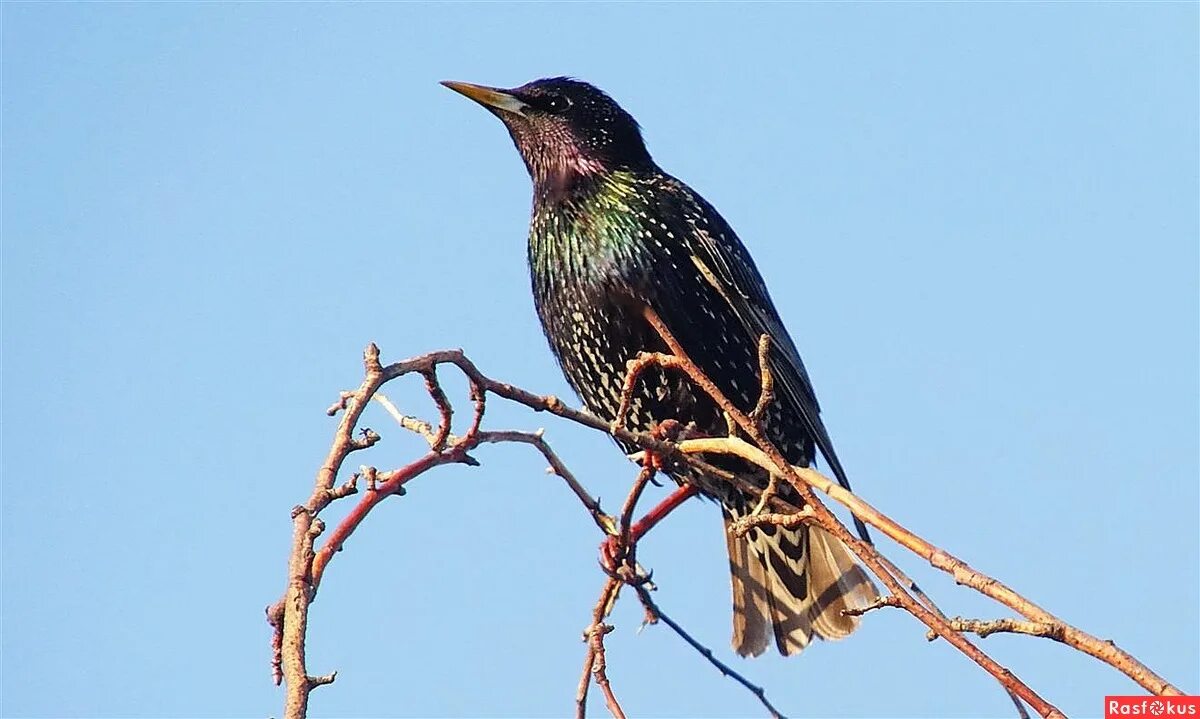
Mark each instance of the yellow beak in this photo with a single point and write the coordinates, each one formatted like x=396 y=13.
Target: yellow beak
x=488 y=96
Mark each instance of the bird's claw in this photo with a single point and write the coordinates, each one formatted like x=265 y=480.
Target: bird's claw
x=617 y=561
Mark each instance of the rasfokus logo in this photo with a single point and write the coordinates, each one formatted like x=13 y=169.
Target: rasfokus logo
x=1127 y=706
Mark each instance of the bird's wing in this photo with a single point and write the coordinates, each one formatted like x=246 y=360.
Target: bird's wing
x=725 y=264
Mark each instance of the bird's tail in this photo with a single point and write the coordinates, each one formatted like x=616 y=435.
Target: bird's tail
x=791 y=584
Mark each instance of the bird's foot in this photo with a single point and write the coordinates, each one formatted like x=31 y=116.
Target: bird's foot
x=617 y=561
x=613 y=554
x=668 y=430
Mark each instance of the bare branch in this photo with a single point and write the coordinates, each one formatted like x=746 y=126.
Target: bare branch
x=307 y=562
x=828 y=521
x=890 y=600
x=443 y=404
x=786 y=521
x=412 y=424
x=595 y=662
x=985 y=628
x=655 y=614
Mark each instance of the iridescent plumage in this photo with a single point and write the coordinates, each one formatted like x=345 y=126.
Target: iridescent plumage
x=611 y=235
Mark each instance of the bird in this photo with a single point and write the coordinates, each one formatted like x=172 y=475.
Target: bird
x=613 y=236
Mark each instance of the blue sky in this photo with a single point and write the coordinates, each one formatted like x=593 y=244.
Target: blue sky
x=979 y=222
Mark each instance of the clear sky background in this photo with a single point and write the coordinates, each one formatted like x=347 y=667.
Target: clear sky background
x=979 y=222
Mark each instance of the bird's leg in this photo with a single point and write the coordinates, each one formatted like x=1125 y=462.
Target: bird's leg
x=617 y=551
x=614 y=548
x=661 y=510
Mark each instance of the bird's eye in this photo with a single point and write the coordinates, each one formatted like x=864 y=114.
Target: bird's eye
x=556 y=103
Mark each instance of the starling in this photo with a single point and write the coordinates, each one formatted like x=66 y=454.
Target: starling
x=611 y=235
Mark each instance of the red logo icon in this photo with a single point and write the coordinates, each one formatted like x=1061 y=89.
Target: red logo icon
x=1116 y=707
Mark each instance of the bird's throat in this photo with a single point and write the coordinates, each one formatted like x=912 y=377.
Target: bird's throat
x=563 y=177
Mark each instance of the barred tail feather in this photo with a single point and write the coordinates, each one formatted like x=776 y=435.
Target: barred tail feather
x=792 y=584
x=838 y=583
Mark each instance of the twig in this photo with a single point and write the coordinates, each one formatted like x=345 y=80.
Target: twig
x=606 y=523
x=654 y=614
x=766 y=392
x=865 y=552
x=594 y=663
x=289 y=615
x=434 y=387
x=985 y=628
x=890 y=600
x=869 y=556
x=412 y=424
x=786 y=521
x=635 y=493
x=963 y=574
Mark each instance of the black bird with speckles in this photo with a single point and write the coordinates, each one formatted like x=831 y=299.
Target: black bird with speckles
x=611 y=235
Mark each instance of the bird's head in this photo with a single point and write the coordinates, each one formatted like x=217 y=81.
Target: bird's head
x=565 y=130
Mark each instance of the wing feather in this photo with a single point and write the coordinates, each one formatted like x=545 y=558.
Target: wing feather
x=724 y=263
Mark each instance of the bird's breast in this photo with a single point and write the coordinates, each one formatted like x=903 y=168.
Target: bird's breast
x=586 y=305
x=592 y=278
